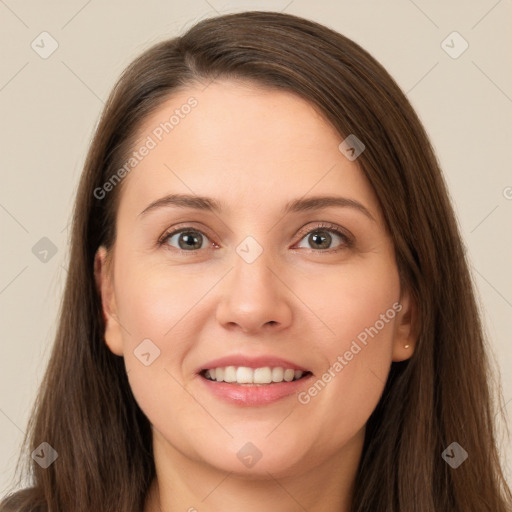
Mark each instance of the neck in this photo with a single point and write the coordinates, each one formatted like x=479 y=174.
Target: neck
x=185 y=484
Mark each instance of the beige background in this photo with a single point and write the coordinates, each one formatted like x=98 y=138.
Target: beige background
x=50 y=106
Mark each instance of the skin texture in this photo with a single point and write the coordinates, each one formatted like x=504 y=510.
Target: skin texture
x=253 y=149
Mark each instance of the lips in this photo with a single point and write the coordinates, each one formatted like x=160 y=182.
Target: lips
x=260 y=391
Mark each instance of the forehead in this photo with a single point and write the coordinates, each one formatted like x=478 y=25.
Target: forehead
x=250 y=146
x=255 y=117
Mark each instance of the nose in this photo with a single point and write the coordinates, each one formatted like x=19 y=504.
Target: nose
x=255 y=297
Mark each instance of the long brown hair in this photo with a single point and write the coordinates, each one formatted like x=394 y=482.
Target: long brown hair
x=85 y=408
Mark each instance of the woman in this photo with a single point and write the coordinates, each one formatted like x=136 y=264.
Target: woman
x=268 y=303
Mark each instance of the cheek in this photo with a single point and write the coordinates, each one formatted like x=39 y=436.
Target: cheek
x=152 y=303
x=154 y=300
x=357 y=307
x=154 y=306
x=349 y=301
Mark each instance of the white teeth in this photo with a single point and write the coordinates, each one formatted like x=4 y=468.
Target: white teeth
x=277 y=374
x=262 y=375
x=288 y=375
x=230 y=374
x=245 y=375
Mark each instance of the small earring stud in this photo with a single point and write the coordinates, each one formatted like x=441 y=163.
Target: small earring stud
x=406 y=346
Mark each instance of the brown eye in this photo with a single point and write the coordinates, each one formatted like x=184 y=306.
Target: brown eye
x=186 y=239
x=320 y=239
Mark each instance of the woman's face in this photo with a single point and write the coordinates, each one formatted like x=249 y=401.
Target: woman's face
x=257 y=283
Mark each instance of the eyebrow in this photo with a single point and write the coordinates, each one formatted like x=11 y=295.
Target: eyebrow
x=297 y=205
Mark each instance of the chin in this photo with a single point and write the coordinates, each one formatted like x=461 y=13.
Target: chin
x=255 y=460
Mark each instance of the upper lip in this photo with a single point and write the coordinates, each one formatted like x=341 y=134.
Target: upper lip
x=251 y=362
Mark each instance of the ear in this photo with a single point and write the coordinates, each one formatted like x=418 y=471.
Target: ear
x=104 y=283
x=406 y=324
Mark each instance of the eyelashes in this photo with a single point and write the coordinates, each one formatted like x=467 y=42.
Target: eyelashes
x=168 y=235
x=310 y=235
x=347 y=241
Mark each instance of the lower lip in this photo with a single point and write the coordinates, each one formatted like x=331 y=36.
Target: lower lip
x=247 y=395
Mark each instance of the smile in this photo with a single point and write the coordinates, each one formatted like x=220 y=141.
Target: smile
x=258 y=376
